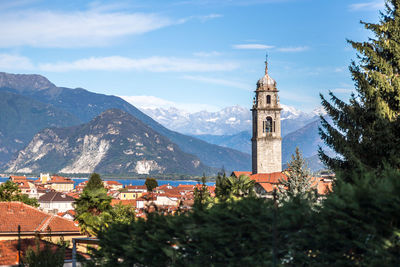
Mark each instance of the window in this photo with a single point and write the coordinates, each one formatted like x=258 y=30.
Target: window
x=268 y=99
x=268 y=125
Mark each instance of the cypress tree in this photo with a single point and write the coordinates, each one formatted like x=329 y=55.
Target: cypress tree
x=365 y=132
x=94 y=182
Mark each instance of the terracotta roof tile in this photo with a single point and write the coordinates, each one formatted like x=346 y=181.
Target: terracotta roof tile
x=60 y=180
x=131 y=202
x=238 y=173
x=31 y=219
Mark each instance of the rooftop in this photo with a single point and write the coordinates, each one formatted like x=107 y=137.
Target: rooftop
x=31 y=219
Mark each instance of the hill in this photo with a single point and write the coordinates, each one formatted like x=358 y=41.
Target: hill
x=115 y=142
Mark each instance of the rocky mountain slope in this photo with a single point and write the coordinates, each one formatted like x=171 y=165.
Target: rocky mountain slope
x=86 y=105
x=115 y=142
x=22 y=117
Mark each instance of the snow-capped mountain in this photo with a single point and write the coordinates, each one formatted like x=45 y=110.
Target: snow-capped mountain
x=228 y=121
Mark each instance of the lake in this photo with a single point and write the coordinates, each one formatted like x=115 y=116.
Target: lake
x=126 y=182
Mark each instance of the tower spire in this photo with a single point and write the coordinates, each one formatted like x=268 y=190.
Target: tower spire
x=266 y=63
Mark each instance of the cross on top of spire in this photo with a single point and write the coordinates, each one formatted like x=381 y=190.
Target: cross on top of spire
x=266 y=63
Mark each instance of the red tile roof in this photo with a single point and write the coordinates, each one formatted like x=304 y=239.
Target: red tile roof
x=237 y=173
x=9 y=251
x=31 y=219
x=17 y=179
x=60 y=180
x=70 y=212
x=185 y=186
x=268 y=180
x=131 y=202
x=112 y=183
x=273 y=177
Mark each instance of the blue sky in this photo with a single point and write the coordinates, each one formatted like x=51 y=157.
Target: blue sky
x=194 y=55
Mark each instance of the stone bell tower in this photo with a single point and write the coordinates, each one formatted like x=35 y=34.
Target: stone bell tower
x=267 y=140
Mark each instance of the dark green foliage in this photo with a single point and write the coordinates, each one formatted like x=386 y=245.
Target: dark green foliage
x=366 y=130
x=94 y=182
x=356 y=225
x=93 y=209
x=229 y=235
x=299 y=181
x=48 y=256
x=359 y=224
x=202 y=197
x=151 y=183
x=232 y=188
x=9 y=191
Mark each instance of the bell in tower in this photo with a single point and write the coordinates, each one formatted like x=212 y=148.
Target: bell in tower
x=266 y=140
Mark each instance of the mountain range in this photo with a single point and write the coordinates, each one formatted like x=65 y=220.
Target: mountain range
x=84 y=106
x=299 y=129
x=227 y=121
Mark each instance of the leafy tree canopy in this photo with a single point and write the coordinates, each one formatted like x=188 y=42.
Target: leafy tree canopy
x=232 y=188
x=9 y=191
x=151 y=183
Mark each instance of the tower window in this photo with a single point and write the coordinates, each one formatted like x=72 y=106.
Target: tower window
x=268 y=99
x=268 y=125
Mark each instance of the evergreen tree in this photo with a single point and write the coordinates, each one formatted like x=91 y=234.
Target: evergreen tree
x=299 y=182
x=94 y=182
x=366 y=131
x=202 y=196
x=151 y=183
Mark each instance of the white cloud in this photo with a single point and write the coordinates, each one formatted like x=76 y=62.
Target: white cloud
x=252 y=46
x=372 y=5
x=293 y=49
x=152 y=64
x=265 y=47
x=207 y=54
x=11 y=62
x=342 y=91
x=151 y=102
x=75 y=29
x=228 y=83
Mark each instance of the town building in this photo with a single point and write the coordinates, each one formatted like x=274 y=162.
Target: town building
x=33 y=222
x=55 y=202
x=60 y=184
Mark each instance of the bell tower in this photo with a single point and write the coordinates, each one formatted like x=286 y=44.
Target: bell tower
x=266 y=140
